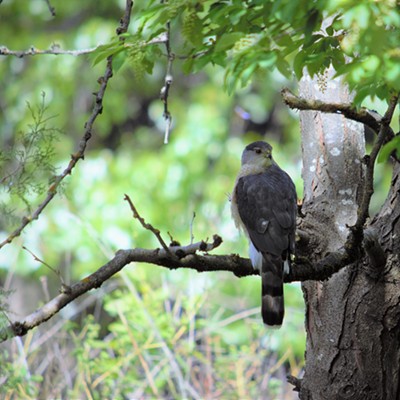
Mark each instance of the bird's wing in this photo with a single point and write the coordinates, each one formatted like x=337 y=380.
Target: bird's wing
x=267 y=207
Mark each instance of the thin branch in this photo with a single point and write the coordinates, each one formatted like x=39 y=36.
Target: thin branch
x=146 y=225
x=53 y=50
x=167 y=84
x=97 y=110
x=51 y=8
x=36 y=258
x=191 y=227
x=56 y=50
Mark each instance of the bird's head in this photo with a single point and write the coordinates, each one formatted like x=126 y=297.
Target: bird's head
x=258 y=154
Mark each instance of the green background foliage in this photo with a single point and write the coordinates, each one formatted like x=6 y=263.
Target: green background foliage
x=148 y=330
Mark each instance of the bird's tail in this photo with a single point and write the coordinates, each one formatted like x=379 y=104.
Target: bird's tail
x=272 y=305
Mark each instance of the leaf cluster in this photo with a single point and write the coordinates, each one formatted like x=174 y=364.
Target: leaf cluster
x=27 y=165
x=359 y=39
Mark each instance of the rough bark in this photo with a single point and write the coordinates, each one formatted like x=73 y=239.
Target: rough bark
x=353 y=318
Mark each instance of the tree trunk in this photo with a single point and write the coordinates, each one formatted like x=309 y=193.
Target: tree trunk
x=352 y=319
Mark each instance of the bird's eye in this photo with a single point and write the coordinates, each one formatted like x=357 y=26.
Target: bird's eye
x=257 y=150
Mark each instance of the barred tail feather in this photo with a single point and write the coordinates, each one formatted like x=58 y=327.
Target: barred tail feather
x=272 y=303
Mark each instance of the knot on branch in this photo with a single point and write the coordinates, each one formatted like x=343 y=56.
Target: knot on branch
x=19 y=329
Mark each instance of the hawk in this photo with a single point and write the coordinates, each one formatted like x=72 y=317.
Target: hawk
x=264 y=206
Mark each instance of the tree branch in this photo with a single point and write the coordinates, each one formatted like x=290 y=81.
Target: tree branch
x=174 y=257
x=370 y=118
x=97 y=110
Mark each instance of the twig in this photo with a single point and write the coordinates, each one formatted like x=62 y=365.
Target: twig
x=54 y=50
x=145 y=225
x=191 y=227
x=168 y=82
x=97 y=110
x=51 y=8
x=36 y=258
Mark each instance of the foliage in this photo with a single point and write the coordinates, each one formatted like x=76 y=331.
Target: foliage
x=28 y=164
x=360 y=39
x=16 y=381
x=159 y=341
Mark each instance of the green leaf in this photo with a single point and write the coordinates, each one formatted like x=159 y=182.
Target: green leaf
x=268 y=60
x=313 y=19
x=118 y=61
x=227 y=41
x=299 y=63
x=283 y=67
x=337 y=59
x=104 y=51
x=187 y=66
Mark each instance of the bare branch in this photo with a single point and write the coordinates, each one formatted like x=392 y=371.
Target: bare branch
x=56 y=50
x=175 y=257
x=51 y=8
x=146 y=225
x=191 y=227
x=97 y=110
x=370 y=118
x=36 y=258
x=53 y=50
x=167 y=84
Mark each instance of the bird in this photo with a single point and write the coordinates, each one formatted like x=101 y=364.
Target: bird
x=264 y=206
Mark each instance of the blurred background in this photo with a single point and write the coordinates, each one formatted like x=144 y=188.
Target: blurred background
x=148 y=332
